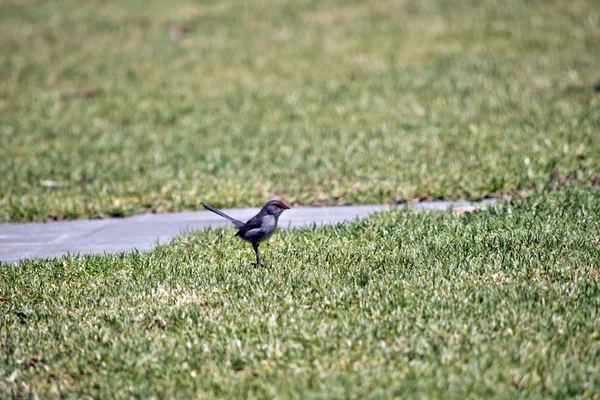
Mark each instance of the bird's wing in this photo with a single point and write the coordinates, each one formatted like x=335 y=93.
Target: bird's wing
x=254 y=223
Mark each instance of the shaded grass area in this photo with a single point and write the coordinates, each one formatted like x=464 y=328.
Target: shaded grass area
x=112 y=108
x=500 y=303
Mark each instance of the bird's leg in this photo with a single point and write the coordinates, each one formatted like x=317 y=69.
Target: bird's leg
x=258 y=260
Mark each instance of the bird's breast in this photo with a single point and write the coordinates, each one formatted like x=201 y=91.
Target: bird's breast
x=270 y=222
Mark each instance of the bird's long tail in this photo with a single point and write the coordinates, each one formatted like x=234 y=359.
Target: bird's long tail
x=237 y=223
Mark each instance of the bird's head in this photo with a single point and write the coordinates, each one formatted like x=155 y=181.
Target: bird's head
x=275 y=207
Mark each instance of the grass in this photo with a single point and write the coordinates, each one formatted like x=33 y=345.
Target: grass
x=102 y=113
x=113 y=108
x=499 y=303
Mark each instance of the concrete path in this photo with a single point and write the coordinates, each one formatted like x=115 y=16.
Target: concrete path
x=142 y=232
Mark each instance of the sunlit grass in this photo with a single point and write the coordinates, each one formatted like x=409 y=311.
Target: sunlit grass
x=497 y=303
x=113 y=108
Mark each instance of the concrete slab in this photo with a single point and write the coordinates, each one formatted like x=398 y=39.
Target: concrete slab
x=142 y=232
x=443 y=205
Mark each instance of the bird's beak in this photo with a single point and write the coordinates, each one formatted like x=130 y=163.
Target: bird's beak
x=285 y=207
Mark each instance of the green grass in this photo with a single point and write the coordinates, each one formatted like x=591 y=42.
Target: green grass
x=103 y=114
x=498 y=303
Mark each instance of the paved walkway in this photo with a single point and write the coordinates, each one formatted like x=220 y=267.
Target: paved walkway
x=142 y=232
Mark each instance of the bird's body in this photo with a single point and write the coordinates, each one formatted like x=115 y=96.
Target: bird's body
x=258 y=228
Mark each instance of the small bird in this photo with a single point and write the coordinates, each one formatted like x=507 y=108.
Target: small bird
x=260 y=227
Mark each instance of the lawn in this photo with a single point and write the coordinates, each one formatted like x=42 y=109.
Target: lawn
x=109 y=108
x=498 y=303
x=113 y=108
